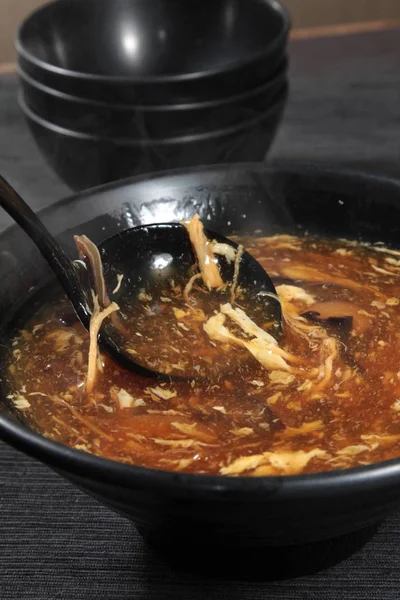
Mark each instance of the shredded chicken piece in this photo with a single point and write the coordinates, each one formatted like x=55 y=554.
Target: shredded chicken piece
x=257 y=383
x=203 y=249
x=380 y=439
x=96 y=321
x=63 y=338
x=21 y=402
x=328 y=354
x=384 y=250
x=244 y=463
x=82 y=447
x=179 y=313
x=37 y=328
x=304 y=429
x=280 y=241
x=392 y=302
x=290 y=313
x=224 y=250
x=179 y=464
x=144 y=297
x=290 y=293
x=280 y=378
x=294 y=462
x=383 y=271
x=353 y=450
x=242 y=431
x=394 y=262
x=240 y=318
x=127 y=401
x=285 y=462
x=179 y=443
x=265 y=352
x=343 y=252
x=396 y=405
x=263 y=347
x=161 y=393
x=268 y=355
x=192 y=430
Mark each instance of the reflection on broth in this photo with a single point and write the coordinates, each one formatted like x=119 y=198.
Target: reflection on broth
x=325 y=397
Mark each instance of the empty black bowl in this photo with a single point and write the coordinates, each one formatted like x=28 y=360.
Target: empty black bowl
x=215 y=515
x=83 y=160
x=99 y=118
x=158 y=52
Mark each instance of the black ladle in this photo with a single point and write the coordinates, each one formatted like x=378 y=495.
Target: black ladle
x=147 y=256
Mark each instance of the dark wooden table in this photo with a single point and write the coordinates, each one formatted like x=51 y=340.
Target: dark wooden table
x=58 y=543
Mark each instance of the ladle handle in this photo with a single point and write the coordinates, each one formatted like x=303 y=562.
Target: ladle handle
x=58 y=260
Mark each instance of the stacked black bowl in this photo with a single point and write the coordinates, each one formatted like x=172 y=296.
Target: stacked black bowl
x=111 y=88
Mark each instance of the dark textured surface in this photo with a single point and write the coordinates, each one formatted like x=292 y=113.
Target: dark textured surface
x=58 y=543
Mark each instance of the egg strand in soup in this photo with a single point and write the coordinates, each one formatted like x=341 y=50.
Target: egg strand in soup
x=325 y=397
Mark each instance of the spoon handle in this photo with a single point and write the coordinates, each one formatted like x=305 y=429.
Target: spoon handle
x=58 y=260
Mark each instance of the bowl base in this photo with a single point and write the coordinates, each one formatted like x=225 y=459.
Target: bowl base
x=261 y=564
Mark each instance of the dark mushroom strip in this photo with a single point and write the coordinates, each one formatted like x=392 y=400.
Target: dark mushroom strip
x=339 y=310
x=87 y=249
x=340 y=318
x=337 y=326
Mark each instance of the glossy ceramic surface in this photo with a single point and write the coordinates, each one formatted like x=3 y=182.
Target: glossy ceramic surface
x=131 y=49
x=213 y=512
x=83 y=160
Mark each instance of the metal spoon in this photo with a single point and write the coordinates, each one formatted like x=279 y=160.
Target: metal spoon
x=149 y=256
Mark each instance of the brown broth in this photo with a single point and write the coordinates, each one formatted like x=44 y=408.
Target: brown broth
x=244 y=419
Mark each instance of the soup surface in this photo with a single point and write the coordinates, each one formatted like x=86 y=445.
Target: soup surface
x=328 y=397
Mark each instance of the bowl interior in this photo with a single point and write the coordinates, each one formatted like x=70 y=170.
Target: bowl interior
x=157 y=38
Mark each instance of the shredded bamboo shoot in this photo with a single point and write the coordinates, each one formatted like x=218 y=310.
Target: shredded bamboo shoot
x=203 y=249
x=96 y=322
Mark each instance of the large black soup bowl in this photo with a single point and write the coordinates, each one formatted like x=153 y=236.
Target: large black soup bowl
x=83 y=160
x=158 y=52
x=128 y=121
x=215 y=513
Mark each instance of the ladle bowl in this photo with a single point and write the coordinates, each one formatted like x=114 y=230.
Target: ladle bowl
x=149 y=257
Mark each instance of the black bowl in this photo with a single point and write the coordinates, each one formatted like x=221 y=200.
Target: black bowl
x=216 y=514
x=154 y=52
x=125 y=121
x=83 y=160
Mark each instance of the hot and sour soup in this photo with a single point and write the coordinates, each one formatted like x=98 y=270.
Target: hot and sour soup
x=325 y=395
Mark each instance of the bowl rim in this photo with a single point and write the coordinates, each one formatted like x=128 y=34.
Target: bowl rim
x=198 y=75
x=88 y=466
x=279 y=78
x=153 y=142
